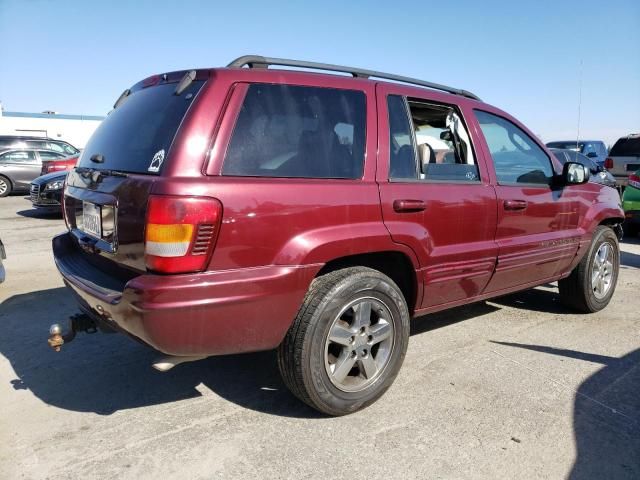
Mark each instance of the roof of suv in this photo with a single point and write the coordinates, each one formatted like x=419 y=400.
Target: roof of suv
x=259 y=62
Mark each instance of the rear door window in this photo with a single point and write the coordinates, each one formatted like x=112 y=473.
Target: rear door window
x=626 y=147
x=402 y=157
x=295 y=131
x=136 y=136
x=19 y=157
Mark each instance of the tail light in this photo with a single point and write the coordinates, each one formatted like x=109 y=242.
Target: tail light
x=634 y=180
x=608 y=163
x=51 y=167
x=181 y=233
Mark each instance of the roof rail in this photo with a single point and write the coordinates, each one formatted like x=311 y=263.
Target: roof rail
x=256 y=61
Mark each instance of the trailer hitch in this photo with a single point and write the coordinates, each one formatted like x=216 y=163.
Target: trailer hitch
x=79 y=322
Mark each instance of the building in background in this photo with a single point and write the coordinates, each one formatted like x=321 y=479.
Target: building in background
x=75 y=129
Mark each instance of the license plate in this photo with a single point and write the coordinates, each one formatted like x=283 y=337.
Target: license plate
x=632 y=167
x=91 y=219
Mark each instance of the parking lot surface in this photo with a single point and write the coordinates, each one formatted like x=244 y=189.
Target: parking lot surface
x=516 y=387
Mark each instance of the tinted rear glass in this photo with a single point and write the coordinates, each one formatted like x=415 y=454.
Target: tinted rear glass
x=292 y=131
x=135 y=136
x=626 y=147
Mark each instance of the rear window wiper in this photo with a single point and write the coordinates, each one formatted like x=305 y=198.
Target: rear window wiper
x=94 y=175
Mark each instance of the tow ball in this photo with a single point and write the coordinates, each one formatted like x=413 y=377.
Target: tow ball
x=78 y=323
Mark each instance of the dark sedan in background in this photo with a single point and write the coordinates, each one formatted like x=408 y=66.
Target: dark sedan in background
x=46 y=191
x=598 y=174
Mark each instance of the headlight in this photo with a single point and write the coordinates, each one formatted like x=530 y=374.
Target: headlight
x=57 y=185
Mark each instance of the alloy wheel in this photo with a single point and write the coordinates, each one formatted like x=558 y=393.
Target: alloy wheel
x=359 y=344
x=602 y=270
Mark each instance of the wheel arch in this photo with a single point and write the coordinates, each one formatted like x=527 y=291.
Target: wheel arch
x=615 y=223
x=8 y=179
x=397 y=265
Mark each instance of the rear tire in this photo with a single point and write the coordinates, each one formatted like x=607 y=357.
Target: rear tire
x=347 y=342
x=5 y=186
x=592 y=282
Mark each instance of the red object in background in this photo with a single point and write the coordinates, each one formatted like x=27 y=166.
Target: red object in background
x=608 y=163
x=634 y=180
x=50 y=166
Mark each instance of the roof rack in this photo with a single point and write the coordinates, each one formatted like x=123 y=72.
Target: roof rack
x=257 y=61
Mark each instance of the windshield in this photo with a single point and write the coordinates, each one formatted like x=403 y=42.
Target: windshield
x=68 y=149
x=626 y=147
x=136 y=136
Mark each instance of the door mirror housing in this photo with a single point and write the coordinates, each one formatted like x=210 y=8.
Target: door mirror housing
x=575 y=173
x=592 y=155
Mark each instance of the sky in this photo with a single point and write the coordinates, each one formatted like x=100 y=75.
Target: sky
x=530 y=58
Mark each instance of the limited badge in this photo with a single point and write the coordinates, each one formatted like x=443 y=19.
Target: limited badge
x=158 y=158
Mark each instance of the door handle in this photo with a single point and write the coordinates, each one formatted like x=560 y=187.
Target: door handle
x=409 y=205
x=515 y=204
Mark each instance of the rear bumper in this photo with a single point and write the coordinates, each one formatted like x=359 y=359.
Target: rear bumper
x=211 y=313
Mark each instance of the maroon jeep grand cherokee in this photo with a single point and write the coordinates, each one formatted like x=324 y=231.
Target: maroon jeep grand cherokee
x=246 y=208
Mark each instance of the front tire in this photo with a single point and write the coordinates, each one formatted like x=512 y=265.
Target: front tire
x=348 y=341
x=592 y=282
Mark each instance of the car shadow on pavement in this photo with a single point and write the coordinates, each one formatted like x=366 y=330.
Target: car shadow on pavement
x=606 y=419
x=536 y=300
x=104 y=373
x=36 y=213
x=628 y=259
x=433 y=321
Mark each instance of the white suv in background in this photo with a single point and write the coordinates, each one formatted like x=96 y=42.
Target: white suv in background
x=624 y=158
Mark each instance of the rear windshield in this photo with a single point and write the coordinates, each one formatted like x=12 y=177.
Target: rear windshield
x=626 y=147
x=136 y=136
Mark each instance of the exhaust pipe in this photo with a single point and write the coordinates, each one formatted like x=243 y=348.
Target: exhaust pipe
x=167 y=363
x=79 y=323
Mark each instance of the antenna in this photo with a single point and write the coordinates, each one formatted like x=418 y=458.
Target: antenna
x=579 y=106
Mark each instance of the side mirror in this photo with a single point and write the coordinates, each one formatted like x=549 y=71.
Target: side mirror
x=446 y=135
x=575 y=173
x=592 y=155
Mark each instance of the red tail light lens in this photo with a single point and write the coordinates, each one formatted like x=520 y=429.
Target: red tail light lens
x=180 y=233
x=608 y=163
x=634 y=180
x=49 y=167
